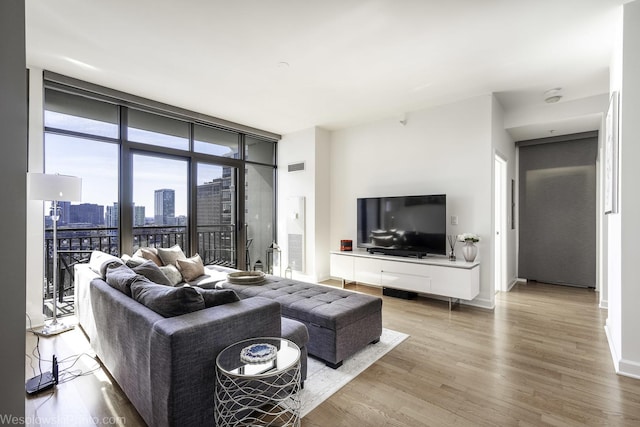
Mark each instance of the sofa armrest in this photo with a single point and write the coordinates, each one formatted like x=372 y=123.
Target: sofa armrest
x=183 y=353
x=83 y=275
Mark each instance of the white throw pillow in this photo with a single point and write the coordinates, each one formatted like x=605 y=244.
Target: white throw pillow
x=170 y=255
x=172 y=273
x=99 y=260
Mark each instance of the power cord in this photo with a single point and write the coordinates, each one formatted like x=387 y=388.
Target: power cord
x=73 y=374
x=36 y=349
x=66 y=374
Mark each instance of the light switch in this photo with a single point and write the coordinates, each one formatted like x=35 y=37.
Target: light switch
x=454 y=219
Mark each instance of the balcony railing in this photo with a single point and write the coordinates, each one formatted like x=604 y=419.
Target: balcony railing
x=216 y=245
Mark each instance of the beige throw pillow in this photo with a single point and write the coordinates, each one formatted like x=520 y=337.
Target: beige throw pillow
x=190 y=268
x=149 y=253
x=170 y=255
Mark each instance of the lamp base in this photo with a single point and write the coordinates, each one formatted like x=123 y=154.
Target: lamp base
x=53 y=328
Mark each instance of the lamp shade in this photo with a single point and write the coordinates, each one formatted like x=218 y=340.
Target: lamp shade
x=56 y=187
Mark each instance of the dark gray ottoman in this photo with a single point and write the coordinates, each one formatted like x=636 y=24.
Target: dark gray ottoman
x=339 y=322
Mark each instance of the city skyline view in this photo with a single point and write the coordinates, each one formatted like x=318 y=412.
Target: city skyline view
x=87 y=138
x=97 y=164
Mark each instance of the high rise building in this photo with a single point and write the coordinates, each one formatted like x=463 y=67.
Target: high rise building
x=165 y=206
x=181 y=220
x=138 y=216
x=209 y=203
x=228 y=192
x=112 y=218
x=87 y=213
x=65 y=213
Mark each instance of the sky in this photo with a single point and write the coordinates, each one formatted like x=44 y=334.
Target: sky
x=97 y=164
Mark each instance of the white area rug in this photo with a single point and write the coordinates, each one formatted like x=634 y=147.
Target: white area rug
x=323 y=381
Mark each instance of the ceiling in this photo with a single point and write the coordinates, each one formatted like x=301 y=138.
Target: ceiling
x=287 y=65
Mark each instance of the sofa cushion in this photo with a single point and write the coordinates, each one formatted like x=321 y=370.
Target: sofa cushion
x=120 y=277
x=133 y=261
x=213 y=297
x=190 y=268
x=149 y=253
x=99 y=260
x=165 y=300
x=151 y=271
x=321 y=305
x=172 y=273
x=210 y=279
x=168 y=256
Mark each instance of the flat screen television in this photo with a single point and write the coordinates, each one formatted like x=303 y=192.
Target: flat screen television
x=404 y=225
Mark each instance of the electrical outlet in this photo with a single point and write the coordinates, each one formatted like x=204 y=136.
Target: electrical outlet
x=454 y=219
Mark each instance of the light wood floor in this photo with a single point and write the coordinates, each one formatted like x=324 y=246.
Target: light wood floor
x=541 y=358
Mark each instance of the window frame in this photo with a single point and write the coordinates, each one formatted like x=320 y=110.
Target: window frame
x=124 y=101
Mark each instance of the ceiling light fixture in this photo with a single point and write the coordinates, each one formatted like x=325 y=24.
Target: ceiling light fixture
x=552 y=95
x=283 y=65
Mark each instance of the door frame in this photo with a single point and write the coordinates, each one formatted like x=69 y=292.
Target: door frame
x=500 y=216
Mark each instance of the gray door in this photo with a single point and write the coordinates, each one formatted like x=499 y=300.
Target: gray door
x=557 y=212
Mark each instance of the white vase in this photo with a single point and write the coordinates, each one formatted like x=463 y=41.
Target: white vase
x=469 y=251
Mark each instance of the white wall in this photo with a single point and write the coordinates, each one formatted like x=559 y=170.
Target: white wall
x=447 y=149
x=311 y=147
x=629 y=196
x=35 y=210
x=323 y=203
x=612 y=231
x=622 y=231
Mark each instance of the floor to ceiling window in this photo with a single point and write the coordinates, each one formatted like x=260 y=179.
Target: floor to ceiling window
x=80 y=140
x=156 y=175
x=216 y=196
x=259 y=207
x=160 y=190
x=259 y=211
x=216 y=214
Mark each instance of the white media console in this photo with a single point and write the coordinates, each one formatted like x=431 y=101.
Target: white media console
x=432 y=275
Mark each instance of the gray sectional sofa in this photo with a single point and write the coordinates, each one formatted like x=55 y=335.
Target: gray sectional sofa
x=166 y=365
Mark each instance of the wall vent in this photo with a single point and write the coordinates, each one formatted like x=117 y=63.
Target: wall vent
x=295 y=167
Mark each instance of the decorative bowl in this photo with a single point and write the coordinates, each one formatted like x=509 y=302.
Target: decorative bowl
x=246 y=277
x=258 y=353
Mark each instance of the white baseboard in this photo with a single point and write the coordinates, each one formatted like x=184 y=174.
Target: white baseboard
x=321 y=279
x=629 y=368
x=480 y=303
x=612 y=348
x=513 y=283
x=626 y=368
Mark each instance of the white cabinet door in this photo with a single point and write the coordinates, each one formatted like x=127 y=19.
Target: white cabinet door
x=406 y=276
x=342 y=266
x=454 y=282
x=407 y=282
x=367 y=270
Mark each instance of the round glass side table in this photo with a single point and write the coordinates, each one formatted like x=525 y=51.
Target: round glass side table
x=263 y=392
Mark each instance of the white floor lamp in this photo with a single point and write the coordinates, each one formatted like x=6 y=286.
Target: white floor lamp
x=54 y=188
